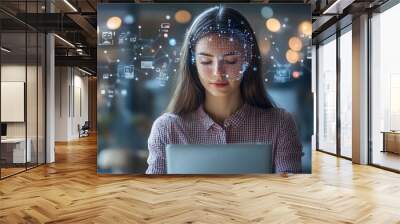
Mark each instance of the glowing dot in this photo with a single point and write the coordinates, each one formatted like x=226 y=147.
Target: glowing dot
x=165 y=35
x=255 y=69
x=124 y=92
x=172 y=42
x=273 y=25
x=167 y=55
x=183 y=16
x=267 y=12
x=296 y=74
x=105 y=51
x=136 y=78
x=272 y=57
x=160 y=47
x=118 y=60
x=129 y=19
x=292 y=56
x=295 y=43
x=284 y=25
x=305 y=28
x=266 y=80
x=140 y=27
x=168 y=17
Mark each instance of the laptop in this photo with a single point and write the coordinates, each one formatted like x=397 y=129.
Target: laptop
x=219 y=158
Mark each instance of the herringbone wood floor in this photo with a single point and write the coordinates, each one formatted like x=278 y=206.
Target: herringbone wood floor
x=70 y=191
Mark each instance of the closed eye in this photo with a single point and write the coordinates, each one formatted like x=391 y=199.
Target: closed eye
x=231 y=62
x=205 y=62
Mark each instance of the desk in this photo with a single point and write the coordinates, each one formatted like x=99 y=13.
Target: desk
x=15 y=148
x=391 y=141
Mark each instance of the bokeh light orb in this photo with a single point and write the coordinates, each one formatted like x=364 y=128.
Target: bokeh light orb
x=296 y=74
x=129 y=19
x=292 y=56
x=305 y=28
x=172 y=42
x=183 y=16
x=114 y=23
x=273 y=25
x=267 y=12
x=265 y=46
x=295 y=43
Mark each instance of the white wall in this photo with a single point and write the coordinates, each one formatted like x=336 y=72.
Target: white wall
x=71 y=92
x=16 y=73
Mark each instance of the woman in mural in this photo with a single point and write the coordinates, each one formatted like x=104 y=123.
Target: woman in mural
x=220 y=96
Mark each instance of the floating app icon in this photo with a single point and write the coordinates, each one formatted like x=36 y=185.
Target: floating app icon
x=146 y=64
x=129 y=71
x=107 y=38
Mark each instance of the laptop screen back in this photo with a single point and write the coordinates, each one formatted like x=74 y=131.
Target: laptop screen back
x=219 y=159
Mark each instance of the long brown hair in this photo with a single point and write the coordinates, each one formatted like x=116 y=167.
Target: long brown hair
x=190 y=93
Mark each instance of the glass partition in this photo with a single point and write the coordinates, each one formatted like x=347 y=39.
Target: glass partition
x=13 y=109
x=327 y=96
x=346 y=93
x=22 y=77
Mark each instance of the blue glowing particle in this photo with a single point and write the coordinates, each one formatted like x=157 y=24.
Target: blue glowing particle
x=172 y=42
x=267 y=12
x=129 y=19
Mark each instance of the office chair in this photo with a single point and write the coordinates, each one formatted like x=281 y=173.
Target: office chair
x=84 y=130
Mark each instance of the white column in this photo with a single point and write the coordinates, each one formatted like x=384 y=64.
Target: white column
x=360 y=90
x=50 y=100
x=50 y=92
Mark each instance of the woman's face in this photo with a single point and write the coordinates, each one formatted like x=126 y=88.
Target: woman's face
x=219 y=62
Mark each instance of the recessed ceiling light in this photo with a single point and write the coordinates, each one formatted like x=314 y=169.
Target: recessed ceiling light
x=5 y=50
x=64 y=40
x=70 y=5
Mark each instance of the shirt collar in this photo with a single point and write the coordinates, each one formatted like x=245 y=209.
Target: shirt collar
x=234 y=120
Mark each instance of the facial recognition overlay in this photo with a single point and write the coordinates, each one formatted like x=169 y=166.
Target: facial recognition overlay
x=143 y=48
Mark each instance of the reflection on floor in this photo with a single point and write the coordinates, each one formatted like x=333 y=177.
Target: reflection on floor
x=387 y=159
x=10 y=169
x=70 y=191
